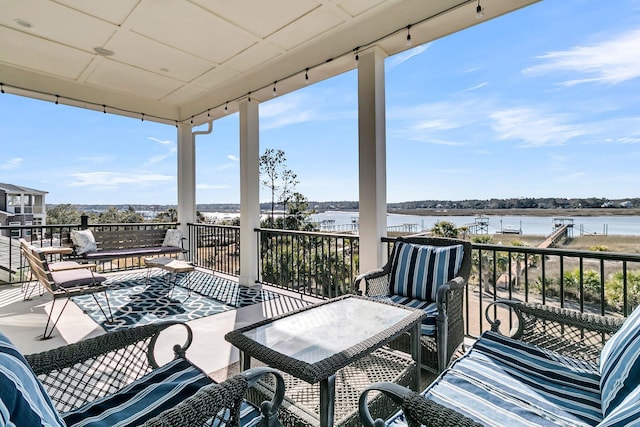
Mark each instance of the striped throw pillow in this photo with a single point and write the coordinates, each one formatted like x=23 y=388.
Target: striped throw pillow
x=23 y=400
x=620 y=364
x=418 y=270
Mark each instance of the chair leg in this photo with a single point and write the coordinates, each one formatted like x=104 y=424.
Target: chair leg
x=47 y=331
x=109 y=318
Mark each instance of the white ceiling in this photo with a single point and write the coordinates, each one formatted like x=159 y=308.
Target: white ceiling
x=178 y=60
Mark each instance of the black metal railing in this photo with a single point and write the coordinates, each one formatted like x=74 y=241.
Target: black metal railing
x=318 y=264
x=326 y=264
x=13 y=268
x=588 y=281
x=216 y=247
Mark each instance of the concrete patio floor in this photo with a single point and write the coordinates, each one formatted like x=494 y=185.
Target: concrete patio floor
x=23 y=322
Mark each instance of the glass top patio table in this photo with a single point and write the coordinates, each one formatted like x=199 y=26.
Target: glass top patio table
x=313 y=343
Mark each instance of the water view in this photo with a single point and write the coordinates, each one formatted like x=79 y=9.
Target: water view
x=529 y=225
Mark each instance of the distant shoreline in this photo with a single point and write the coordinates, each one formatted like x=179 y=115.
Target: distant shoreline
x=552 y=213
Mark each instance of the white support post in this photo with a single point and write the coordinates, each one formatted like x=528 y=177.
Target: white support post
x=249 y=192
x=186 y=180
x=372 y=158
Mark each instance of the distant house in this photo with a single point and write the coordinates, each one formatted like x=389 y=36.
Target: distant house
x=626 y=204
x=21 y=206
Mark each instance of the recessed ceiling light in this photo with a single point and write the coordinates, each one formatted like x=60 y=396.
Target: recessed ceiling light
x=23 y=23
x=102 y=51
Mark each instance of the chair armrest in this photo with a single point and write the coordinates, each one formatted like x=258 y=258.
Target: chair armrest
x=77 y=267
x=82 y=372
x=454 y=285
x=376 y=282
x=211 y=400
x=570 y=332
x=418 y=410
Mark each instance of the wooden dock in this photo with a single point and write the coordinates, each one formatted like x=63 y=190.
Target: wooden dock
x=561 y=231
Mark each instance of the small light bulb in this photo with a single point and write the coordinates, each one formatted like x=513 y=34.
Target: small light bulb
x=306 y=76
x=275 y=92
x=479 y=11
x=409 y=36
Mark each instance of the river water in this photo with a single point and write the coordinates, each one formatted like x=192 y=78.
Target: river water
x=530 y=225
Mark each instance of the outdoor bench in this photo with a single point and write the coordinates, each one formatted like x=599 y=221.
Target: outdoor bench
x=560 y=367
x=99 y=245
x=115 y=379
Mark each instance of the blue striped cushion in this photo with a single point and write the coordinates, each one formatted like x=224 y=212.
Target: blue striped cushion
x=143 y=399
x=501 y=381
x=428 y=326
x=418 y=270
x=23 y=400
x=620 y=363
x=626 y=414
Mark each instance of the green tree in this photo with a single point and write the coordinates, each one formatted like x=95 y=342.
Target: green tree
x=614 y=290
x=482 y=261
x=114 y=216
x=297 y=217
x=170 y=215
x=63 y=214
x=276 y=177
x=445 y=229
x=130 y=216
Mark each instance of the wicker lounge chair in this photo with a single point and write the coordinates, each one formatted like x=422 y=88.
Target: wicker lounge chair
x=64 y=280
x=560 y=367
x=443 y=327
x=115 y=379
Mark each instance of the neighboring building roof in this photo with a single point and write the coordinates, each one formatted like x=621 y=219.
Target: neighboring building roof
x=10 y=188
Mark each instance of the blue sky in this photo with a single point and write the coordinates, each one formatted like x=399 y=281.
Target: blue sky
x=543 y=102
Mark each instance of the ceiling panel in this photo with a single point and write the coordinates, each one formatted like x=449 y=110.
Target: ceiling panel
x=253 y=57
x=123 y=78
x=309 y=26
x=141 y=52
x=21 y=50
x=180 y=58
x=192 y=29
x=356 y=7
x=215 y=77
x=57 y=23
x=111 y=11
x=184 y=94
x=265 y=17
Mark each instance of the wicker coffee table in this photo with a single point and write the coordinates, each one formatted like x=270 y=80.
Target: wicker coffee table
x=172 y=267
x=333 y=345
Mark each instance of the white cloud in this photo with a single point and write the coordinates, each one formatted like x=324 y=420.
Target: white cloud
x=161 y=157
x=406 y=55
x=533 y=127
x=476 y=87
x=233 y=158
x=113 y=180
x=612 y=61
x=288 y=110
x=160 y=141
x=226 y=166
x=11 y=163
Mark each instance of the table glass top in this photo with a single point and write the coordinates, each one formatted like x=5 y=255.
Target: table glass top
x=315 y=334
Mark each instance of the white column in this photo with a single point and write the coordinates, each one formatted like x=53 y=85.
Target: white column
x=249 y=192
x=372 y=158
x=186 y=180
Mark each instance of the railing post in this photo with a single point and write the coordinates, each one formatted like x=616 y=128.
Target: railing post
x=84 y=221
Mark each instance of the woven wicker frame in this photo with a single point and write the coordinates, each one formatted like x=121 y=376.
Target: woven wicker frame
x=569 y=332
x=450 y=300
x=79 y=373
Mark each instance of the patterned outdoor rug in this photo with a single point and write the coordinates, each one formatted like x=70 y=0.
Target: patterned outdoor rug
x=135 y=302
